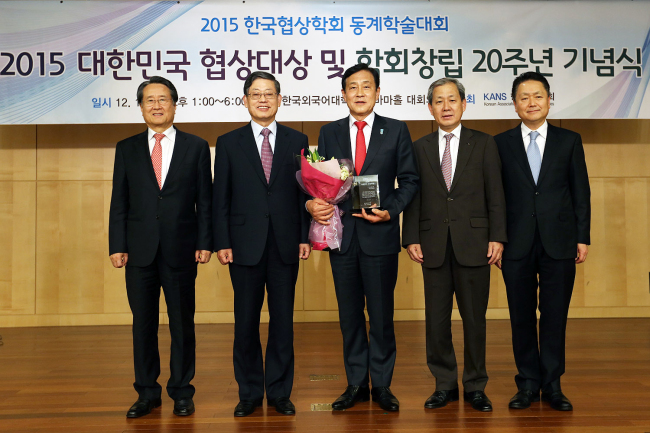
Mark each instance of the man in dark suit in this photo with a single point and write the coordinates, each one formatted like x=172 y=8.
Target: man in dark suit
x=455 y=227
x=548 y=206
x=159 y=228
x=366 y=264
x=261 y=232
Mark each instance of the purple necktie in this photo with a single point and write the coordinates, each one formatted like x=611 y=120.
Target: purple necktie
x=445 y=165
x=267 y=154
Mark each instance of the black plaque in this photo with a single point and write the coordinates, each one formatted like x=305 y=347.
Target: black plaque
x=365 y=193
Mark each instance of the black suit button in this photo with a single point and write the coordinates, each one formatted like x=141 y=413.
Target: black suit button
x=266 y=215
x=268 y=193
x=159 y=197
x=533 y=215
x=157 y=217
x=536 y=193
x=450 y=199
x=446 y=221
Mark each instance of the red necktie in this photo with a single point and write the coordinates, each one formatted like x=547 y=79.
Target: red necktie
x=446 y=161
x=360 y=155
x=156 y=158
x=267 y=154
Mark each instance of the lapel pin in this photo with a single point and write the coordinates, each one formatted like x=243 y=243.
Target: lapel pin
x=381 y=132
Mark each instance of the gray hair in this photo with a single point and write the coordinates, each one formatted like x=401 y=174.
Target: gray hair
x=442 y=82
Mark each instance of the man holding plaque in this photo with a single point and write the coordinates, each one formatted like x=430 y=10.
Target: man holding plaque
x=366 y=264
x=455 y=227
x=260 y=232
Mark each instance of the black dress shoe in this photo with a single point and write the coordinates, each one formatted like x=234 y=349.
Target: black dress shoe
x=478 y=400
x=558 y=400
x=385 y=398
x=523 y=399
x=441 y=398
x=143 y=406
x=184 y=407
x=282 y=405
x=247 y=407
x=351 y=395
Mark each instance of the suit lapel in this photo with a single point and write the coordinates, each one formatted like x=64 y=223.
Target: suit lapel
x=249 y=147
x=377 y=138
x=282 y=145
x=518 y=150
x=343 y=138
x=465 y=148
x=180 y=149
x=432 y=150
x=145 y=155
x=547 y=160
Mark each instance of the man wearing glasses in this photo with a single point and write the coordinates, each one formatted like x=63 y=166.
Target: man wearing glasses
x=261 y=228
x=159 y=229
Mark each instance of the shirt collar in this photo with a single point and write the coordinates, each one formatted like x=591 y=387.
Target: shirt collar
x=543 y=130
x=257 y=128
x=455 y=132
x=170 y=133
x=369 y=120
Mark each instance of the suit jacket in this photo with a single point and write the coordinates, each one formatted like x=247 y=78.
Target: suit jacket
x=243 y=202
x=176 y=217
x=560 y=202
x=390 y=155
x=473 y=211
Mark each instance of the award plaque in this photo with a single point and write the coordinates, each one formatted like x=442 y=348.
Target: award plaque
x=365 y=193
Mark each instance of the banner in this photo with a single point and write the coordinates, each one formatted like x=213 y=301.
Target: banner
x=81 y=62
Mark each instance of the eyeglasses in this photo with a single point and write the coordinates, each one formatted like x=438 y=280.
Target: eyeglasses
x=258 y=96
x=160 y=101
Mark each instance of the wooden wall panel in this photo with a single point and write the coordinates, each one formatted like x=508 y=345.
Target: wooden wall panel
x=55 y=185
x=17 y=152
x=17 y=252
x=71 y=247
x=80 y=152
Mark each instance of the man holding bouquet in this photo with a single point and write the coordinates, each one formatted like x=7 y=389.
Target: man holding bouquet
x=260 y=231
x=366 y=264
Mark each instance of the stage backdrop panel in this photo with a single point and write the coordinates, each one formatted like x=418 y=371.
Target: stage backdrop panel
x=80 y=62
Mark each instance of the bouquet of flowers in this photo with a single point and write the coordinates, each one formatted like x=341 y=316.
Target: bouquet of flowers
x=331 y=181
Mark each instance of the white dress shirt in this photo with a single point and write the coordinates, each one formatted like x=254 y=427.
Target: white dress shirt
x=540 y=140
x=259 y=138
x=453 y=147
x=366 y=133
x=167 y=144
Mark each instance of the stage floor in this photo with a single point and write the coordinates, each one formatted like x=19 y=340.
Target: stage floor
x=78 y=379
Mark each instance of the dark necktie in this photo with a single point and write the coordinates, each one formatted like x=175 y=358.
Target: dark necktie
x=267 y=154
x=445 y=165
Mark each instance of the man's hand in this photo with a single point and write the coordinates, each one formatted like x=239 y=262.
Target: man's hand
x=305 y=250
x=415 y=253
x=225 y=256
x=119 y=259
x=320 y=210
x=495 y=249
x=377 y=216
x=202 y=256
x=583 y=249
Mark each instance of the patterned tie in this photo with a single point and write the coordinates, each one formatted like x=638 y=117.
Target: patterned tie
x=156 y=158
x=534 y=155
x=445 y=165
x=267 y=154
x=360 y=155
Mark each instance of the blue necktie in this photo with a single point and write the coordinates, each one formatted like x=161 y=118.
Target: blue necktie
x=534 y=155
